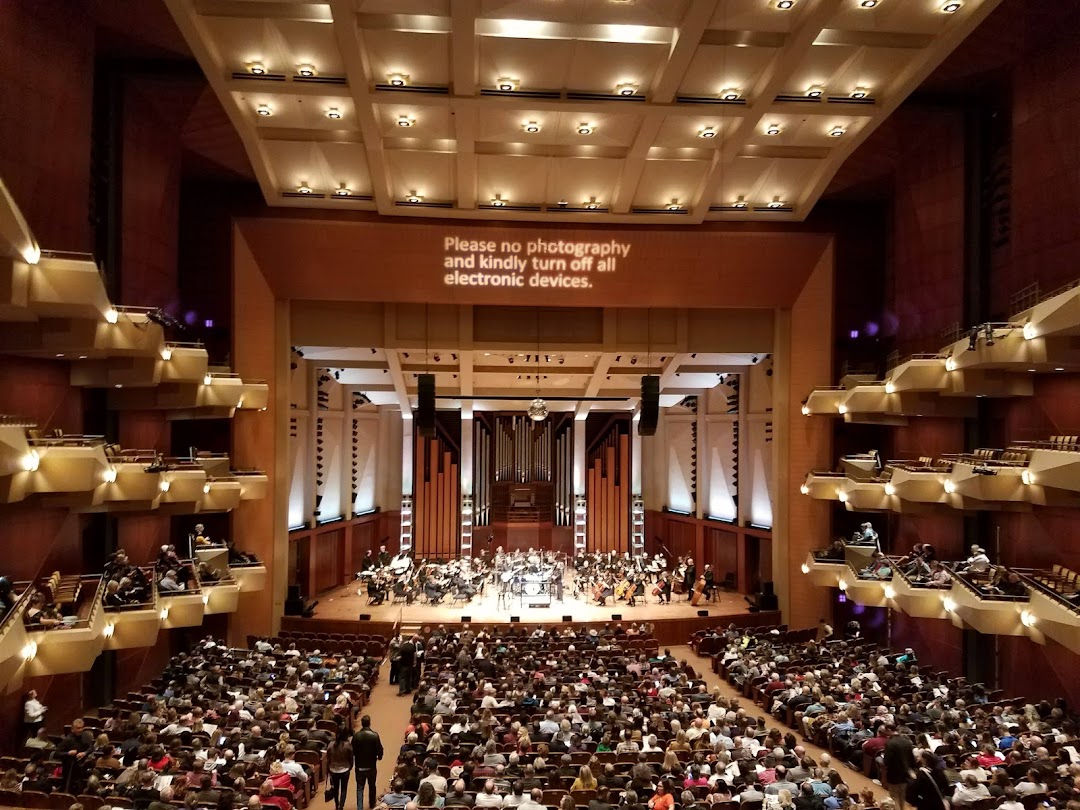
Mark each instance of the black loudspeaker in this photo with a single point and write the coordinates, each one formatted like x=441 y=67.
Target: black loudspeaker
x=767 y=589
x=650 y=405
x=515 y=619
x=616 y=617
x=293 y=593
x=567 y=618
x=365 y=617
x=466 y=619
x=703 y=613
x=425 y=405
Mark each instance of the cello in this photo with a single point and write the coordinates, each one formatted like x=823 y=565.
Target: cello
x=699 y=587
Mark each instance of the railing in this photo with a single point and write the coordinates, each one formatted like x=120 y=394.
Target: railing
x=915 y=583
x=895 y=360
x=151 y=577
x=66 y=440
x=1030 y=579
x=909 y=465
x=82 y=622
x=16 y=612
x=970 y=585
x=1067 y=443
x=9 y=420
x=196 y=588
x=1027 y=297
x=183 y=344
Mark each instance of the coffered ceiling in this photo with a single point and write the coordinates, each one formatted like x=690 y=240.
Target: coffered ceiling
x=563 y=110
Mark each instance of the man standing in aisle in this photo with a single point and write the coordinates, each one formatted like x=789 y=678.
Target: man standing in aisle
x=406 y=666
x=899 y=764
x=367 y=751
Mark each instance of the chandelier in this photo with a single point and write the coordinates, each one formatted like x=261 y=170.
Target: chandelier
x=538 y=410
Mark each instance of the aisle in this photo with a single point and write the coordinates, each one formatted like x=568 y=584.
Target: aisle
x=389 y=716
x=854 y=779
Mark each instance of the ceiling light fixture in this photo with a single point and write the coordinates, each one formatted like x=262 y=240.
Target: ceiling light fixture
x=264 y=110
x=740 y=202
x=776 y=202
x=538 y=410
x=950 y=8
x=498 y=201
x=592 y=204
x=256 y=68
x=814 y=91
x=860 y=92
x=414 y=197
x=506 y=84
x=773 y=129
x=563 y=203
x=584 y=128
x=707 y=132
x=784 y=5
x=334 y=113
x=837 y=131
x=398 y=79
x=531 y=126
x=729 y=94
x=342 y=191
x=626 y=89
x=304 y=188
x=867 y=3
x=307 y=71
x=674 y=205
x=405 y=121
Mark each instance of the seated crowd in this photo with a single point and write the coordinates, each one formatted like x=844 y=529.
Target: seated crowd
x=956 y=739
x=221 y=728
x=600 y=719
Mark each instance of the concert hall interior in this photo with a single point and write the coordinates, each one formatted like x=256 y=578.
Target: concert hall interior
x=326 y=323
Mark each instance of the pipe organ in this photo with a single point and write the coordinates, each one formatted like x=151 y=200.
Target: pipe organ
x=607 y=489
x=436 y=500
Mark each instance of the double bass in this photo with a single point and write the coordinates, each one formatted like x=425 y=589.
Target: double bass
x=699 y=588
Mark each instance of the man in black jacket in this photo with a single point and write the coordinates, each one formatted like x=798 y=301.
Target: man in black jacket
x=367 y=751
x=899 y=764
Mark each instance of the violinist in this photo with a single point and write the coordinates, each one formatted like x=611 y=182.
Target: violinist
x=663 y=588
x=689 y=577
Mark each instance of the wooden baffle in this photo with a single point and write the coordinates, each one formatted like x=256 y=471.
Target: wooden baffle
x=607 y=489
x=436 y=504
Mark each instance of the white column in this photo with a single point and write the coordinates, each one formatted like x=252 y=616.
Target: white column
x=635 y=456
x=466 y=466
x=406 y=454
x=702 y=455
x=579 y=456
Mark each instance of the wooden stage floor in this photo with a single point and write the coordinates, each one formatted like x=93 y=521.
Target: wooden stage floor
x=344 y=604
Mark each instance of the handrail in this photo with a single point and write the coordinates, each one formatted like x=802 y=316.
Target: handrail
x=184 y=344
x=17 y=609
x=829 y=388
x=1030 y=581
x=911 y=583
x=151 y=576
x=75 y=439
x=979 y=592
x=11 y=420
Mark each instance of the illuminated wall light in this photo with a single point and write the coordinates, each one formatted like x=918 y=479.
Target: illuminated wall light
x=240 y=402
x=507 y=84
x=29 y=650
x=729 y=94
x=952 y=7
x=206 y=599
x=805 y=568
x=1028 y=619
x=1030 y=333
x=626 y=89
x=773 y=129
x=949 y=486
x=949 y=604
x=109 y=475
x=304 y=188
x=804 y=489
x=264 y=110
x=591 y=204
x=414 y=197
x=842 y=584
x=164 y=613
x=814 y=91
x=740 y=202
x=334 y=114
x=805 y=410
x=841 y=408
x=498 y=201
x=109 y=630
x=307 y=71
x=674 y=204
x=1027 y=476
x=836 y=132
x=207 y=379
x=165 y=486
x=842 y=496
x=31 y=461
x=890 y=490
x=707 y=132
x=397 y=79
x=256 y=68
x=585 y=128
x=111 y=315
x=406 y=121
x=950 y=364
x=531 y=126
x=166 y=354
x=890 y=592
x=342 y=191
x=206 y=488
x=890 y=388
x=775 y=202
x=860 y=92
x=31 y=254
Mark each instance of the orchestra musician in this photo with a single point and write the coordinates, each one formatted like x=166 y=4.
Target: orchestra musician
x=384 y=557
x=689 y=577
x=663 y=588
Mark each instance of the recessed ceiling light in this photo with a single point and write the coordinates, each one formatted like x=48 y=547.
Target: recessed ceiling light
x=776 y=203
x=867 y=3
x=1059 y=369
x=342 y=191
x=334 y=113
x=414 y=197
x=592 y=204
x=397 y=79
x=837 y=131
x=773 y=129
x=784 y=5
x=584 y=128
x=304 y=188
x=949 y=8
x=626 y=89
x=814 y=91
x=860 y=92
x=307 y=71
x=740 y=202
x=563 y=203
x=707 y=132
x=674 y=204
x=506 y=84
x=405 y=121
x=256 y=68
x=264 y=110
x=729 y=94
x=531 y=126
x=498 y=201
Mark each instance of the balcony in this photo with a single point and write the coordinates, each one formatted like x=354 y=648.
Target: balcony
x=1054 y=463
x=74 y=645
x=1007 y=347
x=131 y=334
x=992 y=614
x=250 y=577
x=827 y=572
x=222 y=596
x=219 y=394
x=916 y=598
x=1054 y=607
x=49 y=465
x=134 y=625
x=253 y=484
x=183 y=608
x=14 y=641
x=173 y=363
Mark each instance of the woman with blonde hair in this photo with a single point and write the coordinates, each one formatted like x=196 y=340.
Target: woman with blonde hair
x=585 y=779
x=435 y=743
x=671 y=762
x=680 y=742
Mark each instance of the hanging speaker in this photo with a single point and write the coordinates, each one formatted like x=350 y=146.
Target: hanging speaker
x=425 y=405
x=650 y=405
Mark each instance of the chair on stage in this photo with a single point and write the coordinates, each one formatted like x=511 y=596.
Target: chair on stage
x=398 y=593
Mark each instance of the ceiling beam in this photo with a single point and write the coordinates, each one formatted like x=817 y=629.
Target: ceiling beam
x=814 y=17
x=596 y=382
x=400 y=388
x=351 y=47
x=683 y=47
x=463 y=73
